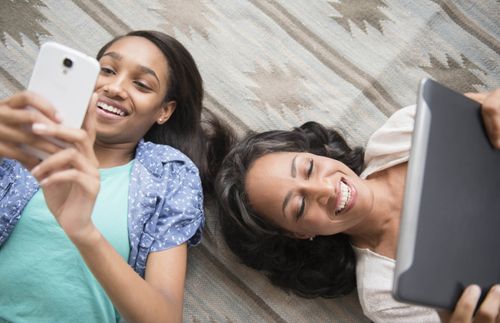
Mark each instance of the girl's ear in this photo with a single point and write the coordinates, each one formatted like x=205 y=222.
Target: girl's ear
x=167 y=110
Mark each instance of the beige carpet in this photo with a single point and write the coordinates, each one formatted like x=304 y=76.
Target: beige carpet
x=275 y=64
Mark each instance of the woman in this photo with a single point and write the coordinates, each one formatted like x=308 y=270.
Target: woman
x=303 y=207
x=110 y=225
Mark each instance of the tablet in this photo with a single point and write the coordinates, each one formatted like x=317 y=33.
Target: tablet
x=450 y=227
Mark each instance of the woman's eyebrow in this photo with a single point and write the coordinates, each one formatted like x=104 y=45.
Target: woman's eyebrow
x=293 y=173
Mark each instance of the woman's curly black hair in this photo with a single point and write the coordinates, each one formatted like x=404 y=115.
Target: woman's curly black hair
x=325 y=266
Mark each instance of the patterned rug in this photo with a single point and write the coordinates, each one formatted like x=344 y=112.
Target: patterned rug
x=276 y=64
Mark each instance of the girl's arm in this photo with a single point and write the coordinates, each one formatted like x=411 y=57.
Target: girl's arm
x=70 y=183
x=157 y=298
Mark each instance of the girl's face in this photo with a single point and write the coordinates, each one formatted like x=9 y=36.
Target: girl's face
x=131 y=88
x=306 y=194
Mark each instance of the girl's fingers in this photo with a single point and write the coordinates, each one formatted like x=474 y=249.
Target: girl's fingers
x=90 y=118
x=14 y=152
x=17 y=136
x=89 y=184
x=69 y=158
x=29 y=99
x=77 y=137
x=21 y=116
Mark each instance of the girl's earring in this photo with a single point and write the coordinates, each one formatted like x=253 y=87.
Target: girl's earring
x=311 y=238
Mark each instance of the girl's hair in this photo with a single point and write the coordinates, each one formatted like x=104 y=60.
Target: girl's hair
x=324 y=266
x=184 y=130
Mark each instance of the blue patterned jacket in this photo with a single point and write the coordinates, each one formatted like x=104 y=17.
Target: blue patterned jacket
x=165 y=202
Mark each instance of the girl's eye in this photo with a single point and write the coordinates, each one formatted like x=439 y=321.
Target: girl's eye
x=310 y=168
x=106 y=71
x=142 y=85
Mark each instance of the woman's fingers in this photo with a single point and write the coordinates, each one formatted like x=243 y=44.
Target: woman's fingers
x=479 y=97
x=489 y=311
x=25 y=99
x=491 y=115
x=464 y=310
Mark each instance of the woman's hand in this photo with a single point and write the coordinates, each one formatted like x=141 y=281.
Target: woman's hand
x=16 y=120
x=70 y=177
x=490 y=102
x=488 y=312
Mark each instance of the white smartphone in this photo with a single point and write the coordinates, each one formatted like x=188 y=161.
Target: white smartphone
x=66 y=78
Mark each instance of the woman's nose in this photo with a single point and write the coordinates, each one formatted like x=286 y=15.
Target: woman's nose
x=322 y=190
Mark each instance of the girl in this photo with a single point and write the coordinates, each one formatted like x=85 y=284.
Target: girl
x=303 y=207
x=110 y=226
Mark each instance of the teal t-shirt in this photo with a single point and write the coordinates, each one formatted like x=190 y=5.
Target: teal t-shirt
x=43 y=278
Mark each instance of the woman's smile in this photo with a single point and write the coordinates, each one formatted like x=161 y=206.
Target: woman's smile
x=346 y=197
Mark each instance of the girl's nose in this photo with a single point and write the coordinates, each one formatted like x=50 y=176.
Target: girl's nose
x=115 y=89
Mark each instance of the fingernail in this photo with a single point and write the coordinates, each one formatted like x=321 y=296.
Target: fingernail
x=35 y=169
x=474 y=290
x=58 y=117
x=39 y=127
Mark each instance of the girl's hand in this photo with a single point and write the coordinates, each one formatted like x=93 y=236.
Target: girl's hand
x=70 y=177
x=490 y=110
x=488 y=312
x=16 y=120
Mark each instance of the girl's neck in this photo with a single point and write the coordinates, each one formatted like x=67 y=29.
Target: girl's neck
x=379 y=230
x=112 y=155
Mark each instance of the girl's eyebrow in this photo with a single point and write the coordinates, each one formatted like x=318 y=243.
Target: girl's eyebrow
x=142 y=68
x=293 y=173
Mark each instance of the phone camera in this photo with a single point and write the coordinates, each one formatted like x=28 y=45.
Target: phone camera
x=67 y=62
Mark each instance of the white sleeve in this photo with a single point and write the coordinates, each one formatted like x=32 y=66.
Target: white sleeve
x=390 y=144
x=374 y=275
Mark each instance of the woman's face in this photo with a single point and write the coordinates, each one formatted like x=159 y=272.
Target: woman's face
x=131 y=88
x=306 y=194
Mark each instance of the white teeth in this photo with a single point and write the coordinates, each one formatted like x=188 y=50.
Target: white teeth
x=345 y=195
x=110 y=108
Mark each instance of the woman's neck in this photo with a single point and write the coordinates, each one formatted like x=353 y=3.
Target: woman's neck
x=379 y=230
x=111 y=155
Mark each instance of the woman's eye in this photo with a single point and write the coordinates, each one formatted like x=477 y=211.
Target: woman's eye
x=310 y=168
x=300 y=213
